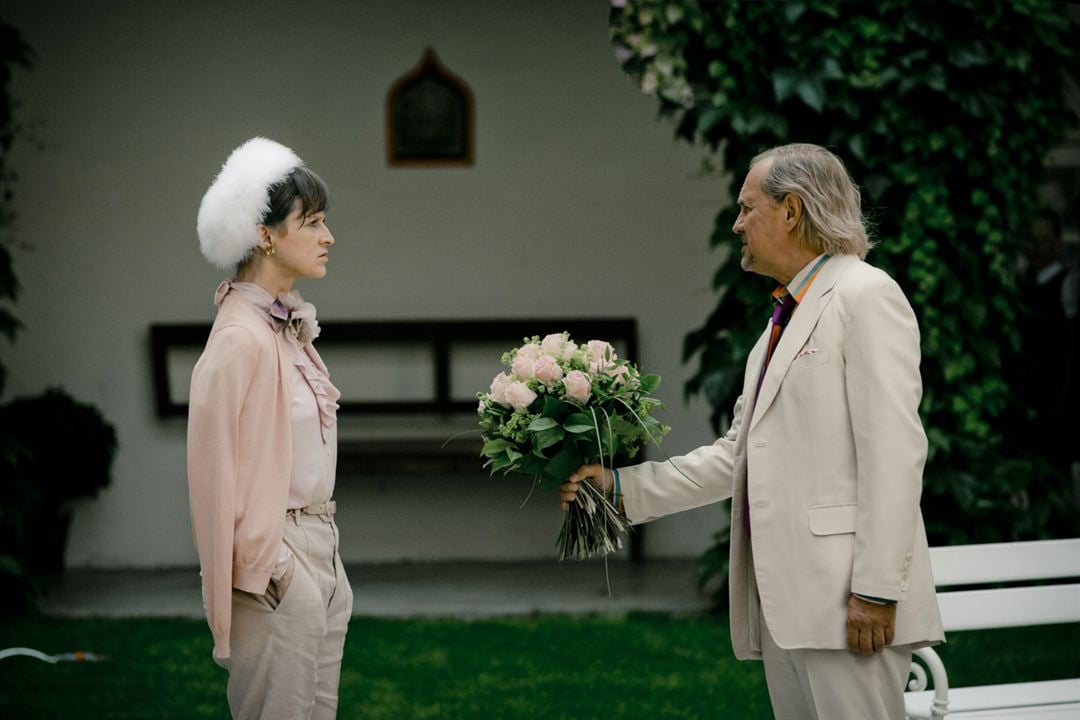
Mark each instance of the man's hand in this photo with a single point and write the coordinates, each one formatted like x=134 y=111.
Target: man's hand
x=600 y=477
x=870 y=627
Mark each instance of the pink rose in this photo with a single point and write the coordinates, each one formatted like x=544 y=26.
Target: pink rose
x=558 y=345
x=519 y=396
x=577 y=386
x=524 y=367
x=547 y=370
x=529 y=350
x=498 y=389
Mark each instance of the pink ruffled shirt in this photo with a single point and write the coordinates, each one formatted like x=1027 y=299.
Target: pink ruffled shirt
x=314 y=416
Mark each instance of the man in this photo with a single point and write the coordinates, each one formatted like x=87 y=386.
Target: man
x=830 y=572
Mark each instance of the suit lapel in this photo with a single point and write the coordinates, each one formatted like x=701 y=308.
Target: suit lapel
x=796 y=333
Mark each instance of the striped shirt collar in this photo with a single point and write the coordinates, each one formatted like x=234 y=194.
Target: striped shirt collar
x=802 y=280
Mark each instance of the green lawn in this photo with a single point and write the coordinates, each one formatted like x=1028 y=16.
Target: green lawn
x=540 y=667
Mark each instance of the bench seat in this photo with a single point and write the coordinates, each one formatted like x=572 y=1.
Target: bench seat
x=1044 y=700
x=1034 y=603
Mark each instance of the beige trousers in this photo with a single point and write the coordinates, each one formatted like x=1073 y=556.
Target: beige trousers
x=807 y=684
x=286 y=656
x=835 y=684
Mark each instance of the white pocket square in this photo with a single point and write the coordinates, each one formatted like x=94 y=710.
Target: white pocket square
x=808 y=351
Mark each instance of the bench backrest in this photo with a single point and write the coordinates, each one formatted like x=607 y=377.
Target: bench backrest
x=1007 y=562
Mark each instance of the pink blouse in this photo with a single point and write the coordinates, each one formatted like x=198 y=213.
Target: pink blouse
x=314 y=419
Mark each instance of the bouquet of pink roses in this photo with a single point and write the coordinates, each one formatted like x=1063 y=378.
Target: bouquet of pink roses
x=563 y=405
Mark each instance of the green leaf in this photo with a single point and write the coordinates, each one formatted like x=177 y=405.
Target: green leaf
x=857 y=147
x=794 y=10
x=501 y=463
x=531 y=464
x=555 y=408
x=812 y=92
x=785 y=81
x=579 y=423
x=494 y=447
x=546 y=438
x=708 y=119
x=830 y=70
x=649 y=383
x=565 y=462
x=542 y=423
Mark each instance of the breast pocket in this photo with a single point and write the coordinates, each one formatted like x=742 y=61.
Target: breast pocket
x=809 y=357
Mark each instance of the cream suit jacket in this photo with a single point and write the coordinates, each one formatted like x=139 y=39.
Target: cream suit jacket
x=833 y=450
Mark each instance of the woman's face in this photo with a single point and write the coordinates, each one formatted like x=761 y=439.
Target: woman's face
x=301 y=244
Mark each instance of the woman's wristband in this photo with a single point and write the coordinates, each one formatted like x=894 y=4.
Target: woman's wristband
x=617 y=496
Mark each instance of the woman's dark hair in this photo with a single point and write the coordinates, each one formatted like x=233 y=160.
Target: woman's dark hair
x=300 y=184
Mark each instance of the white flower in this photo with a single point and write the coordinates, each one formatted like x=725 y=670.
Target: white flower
x=621 y=373
x=519 y=396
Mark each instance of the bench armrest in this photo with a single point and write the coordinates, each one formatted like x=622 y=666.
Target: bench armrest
x=939 y=707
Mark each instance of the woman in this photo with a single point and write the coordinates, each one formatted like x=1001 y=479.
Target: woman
x=262 y=443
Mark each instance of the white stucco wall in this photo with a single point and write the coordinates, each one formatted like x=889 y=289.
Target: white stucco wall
x=581 y=203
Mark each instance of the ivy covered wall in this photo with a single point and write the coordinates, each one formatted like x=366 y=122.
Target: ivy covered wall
x=943 y=113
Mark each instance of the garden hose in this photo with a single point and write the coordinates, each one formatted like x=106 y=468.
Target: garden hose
x=78 y=656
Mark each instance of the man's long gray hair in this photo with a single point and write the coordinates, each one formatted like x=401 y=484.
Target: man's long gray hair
x=832 y=220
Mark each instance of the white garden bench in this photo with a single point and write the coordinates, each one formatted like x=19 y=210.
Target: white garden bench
x=1014 y=606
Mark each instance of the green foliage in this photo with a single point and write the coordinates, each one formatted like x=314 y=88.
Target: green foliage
x=41 y=423
x=14 y=52
x=56 y=451
x=943 y=112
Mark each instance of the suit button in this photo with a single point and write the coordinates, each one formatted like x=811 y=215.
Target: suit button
x=903 y=586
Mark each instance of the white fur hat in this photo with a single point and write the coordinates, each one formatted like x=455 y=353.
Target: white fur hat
x=239 y=199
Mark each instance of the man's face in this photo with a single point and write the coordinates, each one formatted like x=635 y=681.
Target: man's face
x=762 y=226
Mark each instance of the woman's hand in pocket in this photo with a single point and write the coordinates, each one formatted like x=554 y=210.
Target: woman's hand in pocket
x=278 y=588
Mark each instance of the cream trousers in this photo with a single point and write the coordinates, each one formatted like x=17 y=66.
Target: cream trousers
x=286 y=656
x=807 y=684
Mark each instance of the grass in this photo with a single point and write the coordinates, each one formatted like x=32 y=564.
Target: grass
x=545 y=666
